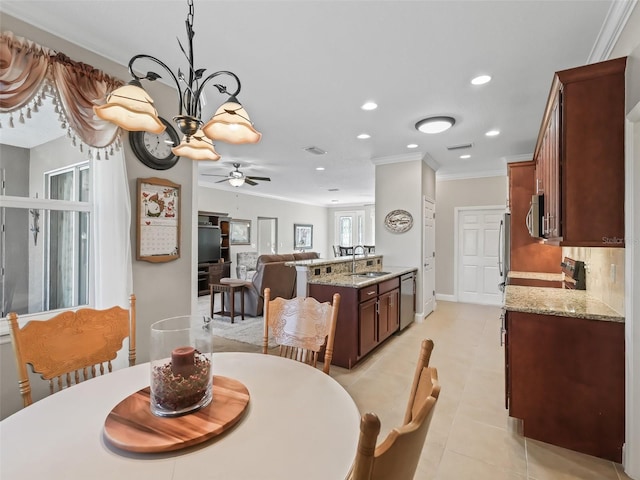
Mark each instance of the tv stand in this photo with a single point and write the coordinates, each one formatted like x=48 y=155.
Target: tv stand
x=211 y=273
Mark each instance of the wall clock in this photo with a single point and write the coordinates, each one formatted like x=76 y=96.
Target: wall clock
x=398 y=221
x=154 y=150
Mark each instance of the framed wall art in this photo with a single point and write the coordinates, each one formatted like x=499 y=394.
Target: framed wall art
x=240 y=232
x=302 y=236
x=158 y=220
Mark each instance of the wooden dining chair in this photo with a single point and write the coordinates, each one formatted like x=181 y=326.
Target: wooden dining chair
x=301 y=327
x=398 y=455
x=72 y=346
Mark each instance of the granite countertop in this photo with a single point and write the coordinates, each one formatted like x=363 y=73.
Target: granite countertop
x=558 y=301
x=549 y=277
x=349 y=280
x=328 y=261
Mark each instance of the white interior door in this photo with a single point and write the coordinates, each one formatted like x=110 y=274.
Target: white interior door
x=478 y=275
x=428 y=257
x=267 y=236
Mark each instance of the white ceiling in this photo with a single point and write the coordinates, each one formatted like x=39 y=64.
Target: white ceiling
x=307 y=66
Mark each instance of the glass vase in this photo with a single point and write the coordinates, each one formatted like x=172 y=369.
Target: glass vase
x=181 y=376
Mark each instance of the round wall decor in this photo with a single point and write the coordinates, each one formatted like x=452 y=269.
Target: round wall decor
x=154 y=150
x=398 y=221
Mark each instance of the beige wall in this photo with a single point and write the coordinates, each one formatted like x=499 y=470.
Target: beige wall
x=450 y=194
x=401 y=185
x=250 y=207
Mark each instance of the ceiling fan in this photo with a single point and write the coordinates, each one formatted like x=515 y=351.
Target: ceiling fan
x=237 y=178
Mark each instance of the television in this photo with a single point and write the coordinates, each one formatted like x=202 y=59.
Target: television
x=208 y=243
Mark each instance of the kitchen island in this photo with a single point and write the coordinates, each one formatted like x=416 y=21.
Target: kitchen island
x=370 y=304
x=564 y=368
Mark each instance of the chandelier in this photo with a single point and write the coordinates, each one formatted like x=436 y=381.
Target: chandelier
x=131 y=108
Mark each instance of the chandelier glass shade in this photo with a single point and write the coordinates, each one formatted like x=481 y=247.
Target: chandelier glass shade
x=131 y=108
x=197 y=147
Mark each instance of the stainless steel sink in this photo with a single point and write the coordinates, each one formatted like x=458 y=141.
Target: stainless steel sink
x=370 y=274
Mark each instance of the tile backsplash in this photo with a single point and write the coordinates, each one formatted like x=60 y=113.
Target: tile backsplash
x=605 y=273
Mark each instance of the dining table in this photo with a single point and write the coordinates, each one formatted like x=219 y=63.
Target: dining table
x=299 y=423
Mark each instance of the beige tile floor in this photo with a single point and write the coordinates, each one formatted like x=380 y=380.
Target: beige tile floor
x=471 y=436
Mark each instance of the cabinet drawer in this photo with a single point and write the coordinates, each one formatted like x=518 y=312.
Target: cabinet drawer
x=367 y=293
x=388 y=285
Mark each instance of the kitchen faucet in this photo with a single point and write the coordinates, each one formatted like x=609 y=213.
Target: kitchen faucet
x=353 y=263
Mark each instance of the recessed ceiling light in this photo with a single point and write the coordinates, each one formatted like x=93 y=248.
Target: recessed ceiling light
x=412 y=145
x=364 y=136
x=334 y=201
x=369 y=106
x=435 y=124
x=465 y=156
x=481 y=80
x=492 y=133
x=320 y=169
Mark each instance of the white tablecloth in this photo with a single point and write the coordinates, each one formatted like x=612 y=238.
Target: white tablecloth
x=300 y=424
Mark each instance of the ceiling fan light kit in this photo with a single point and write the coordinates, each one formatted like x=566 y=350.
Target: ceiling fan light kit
x=131 y=108
x=236 y=178
x=435 y=124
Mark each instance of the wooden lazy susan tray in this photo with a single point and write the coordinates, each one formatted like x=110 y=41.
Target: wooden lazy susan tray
x=131 y=425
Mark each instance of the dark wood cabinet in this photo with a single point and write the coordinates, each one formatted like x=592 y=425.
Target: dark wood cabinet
x=366 y=318
x=527 y=254
x=565 y=380
x=579 y=156
x=212 y=272
x=388 y=314
x=367 y=324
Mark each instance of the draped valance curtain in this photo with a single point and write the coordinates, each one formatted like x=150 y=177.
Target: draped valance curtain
x=30 y=72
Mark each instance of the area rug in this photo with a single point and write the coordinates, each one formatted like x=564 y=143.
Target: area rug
x=250 y=330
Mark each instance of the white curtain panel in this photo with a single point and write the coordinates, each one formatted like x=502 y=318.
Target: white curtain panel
x=110 y=235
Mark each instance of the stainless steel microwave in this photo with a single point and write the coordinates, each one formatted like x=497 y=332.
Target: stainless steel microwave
x=534 y=216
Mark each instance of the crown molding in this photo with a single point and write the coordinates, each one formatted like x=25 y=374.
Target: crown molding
x=470 y=175
x=612 y=26
x=407 y=157
x=523 y=157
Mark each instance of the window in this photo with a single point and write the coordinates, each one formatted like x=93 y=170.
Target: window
x=45 y=213
x=350 y=228
x=67 y=240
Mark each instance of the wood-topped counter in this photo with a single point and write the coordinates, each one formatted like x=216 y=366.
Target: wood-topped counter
x=560 y=302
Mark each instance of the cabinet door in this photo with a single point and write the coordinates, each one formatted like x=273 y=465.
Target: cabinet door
x=367 y=325
x=389 y=315
x=552 y=196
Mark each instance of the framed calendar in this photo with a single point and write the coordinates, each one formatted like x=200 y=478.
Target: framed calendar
x=158 y=220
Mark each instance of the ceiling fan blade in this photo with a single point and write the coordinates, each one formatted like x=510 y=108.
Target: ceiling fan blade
x=248 y=181
x=213 y=175
x=223 y=180
x=262 y=179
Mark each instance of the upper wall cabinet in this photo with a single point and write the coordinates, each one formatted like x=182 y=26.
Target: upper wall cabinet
x=579 y=157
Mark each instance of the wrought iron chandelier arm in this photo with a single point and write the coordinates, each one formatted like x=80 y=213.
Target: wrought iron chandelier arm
x=221 y=88
x=151 y=76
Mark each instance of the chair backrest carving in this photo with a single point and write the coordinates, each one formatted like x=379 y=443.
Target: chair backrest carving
x=72 y=346
x=301 y=327
x=398 y=455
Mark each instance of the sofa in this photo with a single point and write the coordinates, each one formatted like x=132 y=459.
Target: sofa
x=271 y=272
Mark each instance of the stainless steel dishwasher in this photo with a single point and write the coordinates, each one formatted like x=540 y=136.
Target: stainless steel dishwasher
x=407 y=299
